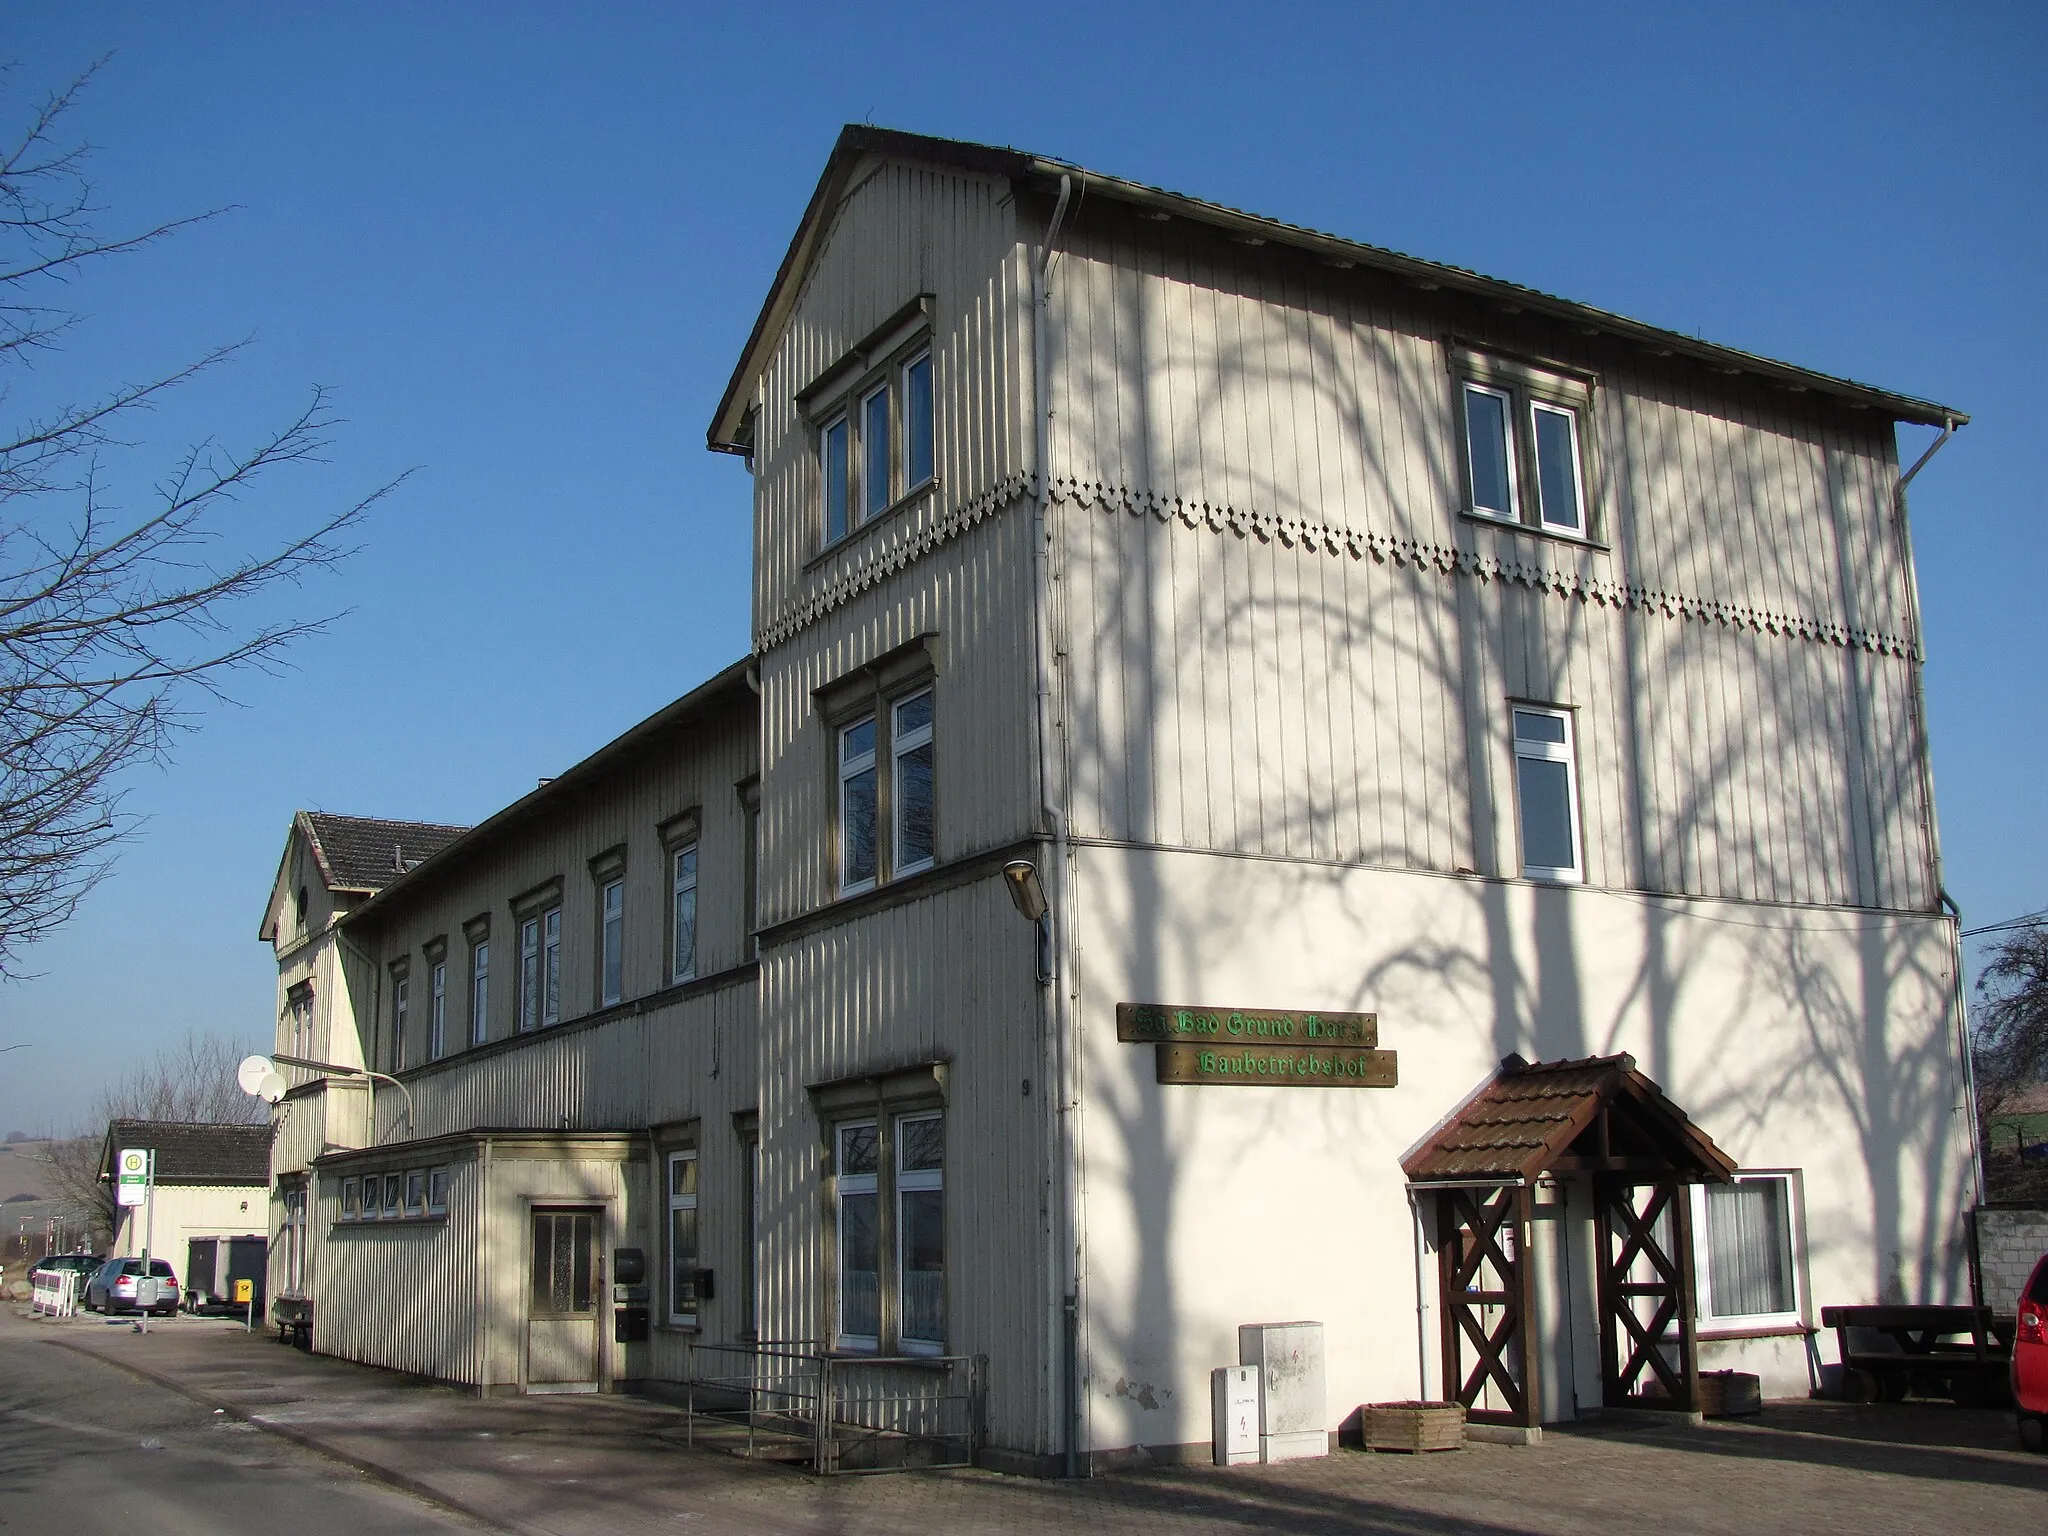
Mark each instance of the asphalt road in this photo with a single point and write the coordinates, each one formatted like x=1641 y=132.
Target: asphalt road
x=87 y=1448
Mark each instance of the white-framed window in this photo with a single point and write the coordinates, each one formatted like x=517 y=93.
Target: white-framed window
x=835 y=452
x=351 y=1199
x=880 y=448
x=859 y=807
x=401 y=1006
x=540 y=969
x=394 y=1195
x=1490 y=450
x=888 y=809
x=437 y=1191
x=611 y=942
x=292 y=1238
x=890 y=1233
x=684 y=1255
x=857 y=1208
x=921 y=1234
x=683 y=913
x=437 y=1012
x=1744 y=1244
x=529 y=974
x=298 y=1009
x=1525 y=445
x=910 y=782
x=1547 y=794
x=479 y=990
x=416 y=1192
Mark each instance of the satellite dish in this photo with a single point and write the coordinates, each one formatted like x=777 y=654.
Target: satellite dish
x=252 y=1073
x=272 y=1088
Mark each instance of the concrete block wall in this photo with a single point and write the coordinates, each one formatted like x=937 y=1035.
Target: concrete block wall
x=2009 y=1244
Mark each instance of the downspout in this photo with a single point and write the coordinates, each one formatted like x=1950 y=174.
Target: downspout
x=1062 y=1344
x=1960 y=999
x=483 y=1274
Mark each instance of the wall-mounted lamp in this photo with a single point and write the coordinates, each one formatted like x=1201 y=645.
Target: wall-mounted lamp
x=1021 y=876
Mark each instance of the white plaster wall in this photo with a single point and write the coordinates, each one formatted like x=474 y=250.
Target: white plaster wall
x=1815 y=1039
x=185 y=1212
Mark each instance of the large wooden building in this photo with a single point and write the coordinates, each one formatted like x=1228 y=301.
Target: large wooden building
x=1469 y=750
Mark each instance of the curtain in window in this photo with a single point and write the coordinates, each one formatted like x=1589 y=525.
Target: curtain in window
x=1749 y=1248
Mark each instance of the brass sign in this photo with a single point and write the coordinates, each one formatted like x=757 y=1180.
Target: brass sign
x=1277 y=1066
x=1166 y=1023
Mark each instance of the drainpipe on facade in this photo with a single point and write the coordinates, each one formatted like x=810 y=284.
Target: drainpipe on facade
x=1063 y=1351
x=1931 y=829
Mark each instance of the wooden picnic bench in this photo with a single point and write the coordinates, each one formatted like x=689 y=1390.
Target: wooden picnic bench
x=1888 y=1351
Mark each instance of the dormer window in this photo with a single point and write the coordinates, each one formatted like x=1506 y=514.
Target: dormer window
x=1525 y=431
x=872 y=412
x=877 y=450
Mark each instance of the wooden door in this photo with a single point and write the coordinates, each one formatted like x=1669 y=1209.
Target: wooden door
x=564 y=1300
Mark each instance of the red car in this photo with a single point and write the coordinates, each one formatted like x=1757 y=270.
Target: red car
x=2030 y=1360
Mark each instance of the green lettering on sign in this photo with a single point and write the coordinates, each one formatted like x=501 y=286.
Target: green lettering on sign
x=1170 y=1023
x=1305 y=1066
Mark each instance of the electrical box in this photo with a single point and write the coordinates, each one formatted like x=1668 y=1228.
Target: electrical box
x=1293 y=1412
x=1234 y=1403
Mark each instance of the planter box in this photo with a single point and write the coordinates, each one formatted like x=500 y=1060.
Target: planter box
x=1412 y=1426
x=1729 y=1394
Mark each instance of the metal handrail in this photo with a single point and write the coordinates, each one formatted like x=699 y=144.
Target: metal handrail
x=841 y=1406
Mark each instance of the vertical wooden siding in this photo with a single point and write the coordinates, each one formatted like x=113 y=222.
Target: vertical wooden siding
x=1230 y=686
x=974 y=595
x=408 y=1297
x=698 y=768
x=1237 y=381
x=903 y=230
x=947 y=977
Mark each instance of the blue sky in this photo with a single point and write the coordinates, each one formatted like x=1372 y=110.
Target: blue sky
x=522 y=244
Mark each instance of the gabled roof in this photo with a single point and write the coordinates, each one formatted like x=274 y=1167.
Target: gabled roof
x=189 y=1153
x=725 y=687
x=366 y=853
x=1042 y=174
x=1535 y=1117
x=355 y=855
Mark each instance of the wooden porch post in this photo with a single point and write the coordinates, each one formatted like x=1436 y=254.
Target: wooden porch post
x=1525 y=1306
x=1688 y=1287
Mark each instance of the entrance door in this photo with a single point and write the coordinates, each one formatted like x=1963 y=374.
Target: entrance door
x=563 y=1301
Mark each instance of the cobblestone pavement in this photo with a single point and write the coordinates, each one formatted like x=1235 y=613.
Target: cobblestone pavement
x=618 y=1466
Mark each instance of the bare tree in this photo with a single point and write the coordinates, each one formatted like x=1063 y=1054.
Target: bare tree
x=2009 y=1033
x=110 y=619
x=190 y=1082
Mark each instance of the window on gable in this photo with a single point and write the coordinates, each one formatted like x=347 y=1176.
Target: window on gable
x=1525 y=445
x=879 y=447
x=1547 y=794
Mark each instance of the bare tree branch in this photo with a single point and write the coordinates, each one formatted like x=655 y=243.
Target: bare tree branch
x=109 y=622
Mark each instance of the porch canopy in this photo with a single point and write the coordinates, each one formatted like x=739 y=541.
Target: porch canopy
x=1597 y=1117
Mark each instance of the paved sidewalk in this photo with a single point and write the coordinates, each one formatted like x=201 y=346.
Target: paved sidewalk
x=617 y=1466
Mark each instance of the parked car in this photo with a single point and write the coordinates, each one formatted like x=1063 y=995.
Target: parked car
x=112 y=1289
x=84 y=1265
x=2030 y=1360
